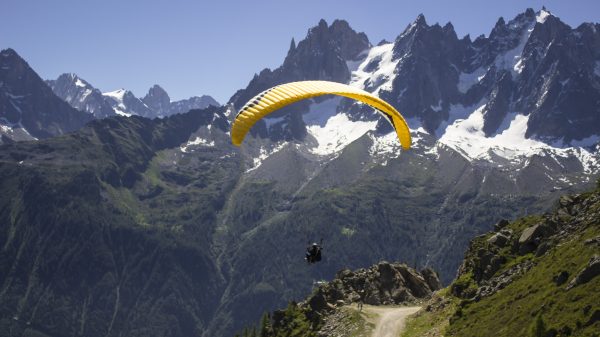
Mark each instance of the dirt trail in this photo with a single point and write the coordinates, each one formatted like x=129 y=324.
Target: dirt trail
x=389 y=321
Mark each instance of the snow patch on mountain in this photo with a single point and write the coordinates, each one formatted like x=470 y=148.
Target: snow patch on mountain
x=467 y=80
x=119 y=110
x=265 y=153
x=85 y=95
x=15 y=131
x=384 y=147
x=512 y=60
x=457 y=112
x=353 y=65
x=319 y=113
x=377 y=69
x=467 y=137
x=542 y=15
x=197 y=142
x=117 y=96
x=80 y=83
x=337 y=133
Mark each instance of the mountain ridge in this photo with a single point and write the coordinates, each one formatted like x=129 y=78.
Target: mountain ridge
x=326 y=168
x=28 y=108
x=156 y=103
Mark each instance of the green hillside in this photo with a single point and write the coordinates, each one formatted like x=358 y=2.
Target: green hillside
x=543 y=281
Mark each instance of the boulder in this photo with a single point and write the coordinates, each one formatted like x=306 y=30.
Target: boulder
x=318 y=302
x=493 y=266
x=414 y=282
x=595 y=317
x=589 y=272
x=593 y=241
x=565 y=201
x=432 y=279
x=498 y=239
x=561 y=278
x=501 y=224
x=543 y=248
x=532 y=236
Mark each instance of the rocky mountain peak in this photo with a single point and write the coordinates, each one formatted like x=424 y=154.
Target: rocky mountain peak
x=156 y=103
x=292 y=46
x=157 y=91
x=158 y=100
x=28 y=107
x=321 y=55
x=8 y=53
x=417 y=24
x=449 y=28
x=529 y=13
x=420 y=20
x=323 y=41
x=81 y=95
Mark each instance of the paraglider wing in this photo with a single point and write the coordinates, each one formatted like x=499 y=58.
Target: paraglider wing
x=279 y=96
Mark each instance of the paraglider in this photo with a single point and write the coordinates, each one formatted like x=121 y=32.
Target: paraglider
x=313 y=253
x=279 y=96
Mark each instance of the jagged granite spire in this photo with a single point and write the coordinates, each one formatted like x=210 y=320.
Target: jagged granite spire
x=158 y=100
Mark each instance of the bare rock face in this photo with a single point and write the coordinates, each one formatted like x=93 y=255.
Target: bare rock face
x=432 y=278
x=382 y=284
x=81 y=95
x=158 y=100
x=322 y=55
x=29 y=105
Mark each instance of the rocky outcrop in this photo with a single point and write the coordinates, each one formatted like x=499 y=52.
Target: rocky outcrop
x=487 y=254
x=589 y=272
x=382 y=284
x=432 y=278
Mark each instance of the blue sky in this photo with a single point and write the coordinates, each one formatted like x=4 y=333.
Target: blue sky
x=199 y=47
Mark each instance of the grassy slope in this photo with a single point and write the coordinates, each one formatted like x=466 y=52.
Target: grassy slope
x=513 y=310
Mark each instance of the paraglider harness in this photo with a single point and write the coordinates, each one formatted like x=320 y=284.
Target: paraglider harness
x=313 y=252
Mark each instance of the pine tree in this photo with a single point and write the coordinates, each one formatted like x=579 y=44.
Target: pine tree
x=265 y=325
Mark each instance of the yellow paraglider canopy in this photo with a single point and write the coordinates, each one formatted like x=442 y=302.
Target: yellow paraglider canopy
x=279 y=96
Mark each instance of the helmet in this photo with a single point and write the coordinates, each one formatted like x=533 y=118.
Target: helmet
x=315 y=244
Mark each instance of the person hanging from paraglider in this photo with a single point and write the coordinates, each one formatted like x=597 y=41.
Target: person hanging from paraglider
x=313 y=252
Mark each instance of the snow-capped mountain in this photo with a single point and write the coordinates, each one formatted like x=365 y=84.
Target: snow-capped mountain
x=28 y=108
x=159 y=101
x=194 y=102
x=203 y=213
x=125 y=103
x=531 y=88
x=83 y=96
